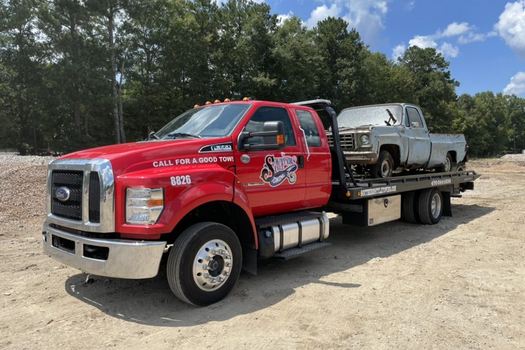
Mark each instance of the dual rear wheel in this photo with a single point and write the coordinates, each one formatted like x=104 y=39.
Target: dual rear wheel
x=425 y=207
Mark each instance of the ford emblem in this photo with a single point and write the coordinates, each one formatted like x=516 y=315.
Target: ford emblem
x=62 y=194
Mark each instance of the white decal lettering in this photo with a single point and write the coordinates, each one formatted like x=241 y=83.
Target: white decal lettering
x=180 y=180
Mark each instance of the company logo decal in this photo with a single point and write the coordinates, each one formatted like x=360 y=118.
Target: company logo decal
x=277 y=169
x=441 y=182
x=219 y=147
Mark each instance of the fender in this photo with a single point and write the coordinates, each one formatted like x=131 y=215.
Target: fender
x=208 y=184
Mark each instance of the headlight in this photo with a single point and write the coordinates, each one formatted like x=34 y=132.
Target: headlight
x=365 y=139
x=144 y=205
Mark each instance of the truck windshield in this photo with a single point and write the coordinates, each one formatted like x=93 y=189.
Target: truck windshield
x=370 y=115
x=208 y=121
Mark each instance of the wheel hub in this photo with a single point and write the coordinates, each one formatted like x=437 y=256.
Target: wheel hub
x=385 y=168
x=212 y=265
x=435 y=205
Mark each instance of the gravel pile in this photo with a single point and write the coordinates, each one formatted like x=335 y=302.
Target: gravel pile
x=22 y=186
x=514 y=157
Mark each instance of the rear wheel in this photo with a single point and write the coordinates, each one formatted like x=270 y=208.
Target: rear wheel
x=430 y=206
x=449 y=164
x=384 y=166
x=204 y=263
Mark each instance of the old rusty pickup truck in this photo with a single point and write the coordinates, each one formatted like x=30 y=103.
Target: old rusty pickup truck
x=393 y=136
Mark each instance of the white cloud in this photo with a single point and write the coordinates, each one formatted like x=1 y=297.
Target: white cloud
x=516 y=85
x=455 y=29
x=283 y=17
x=398 y=51
x=423 y=41
x=460 y=32
x=365 y=15
x=511 y=26
x=322 y=12
x=449 y=50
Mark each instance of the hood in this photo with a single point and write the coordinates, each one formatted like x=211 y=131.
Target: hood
x=128 y=157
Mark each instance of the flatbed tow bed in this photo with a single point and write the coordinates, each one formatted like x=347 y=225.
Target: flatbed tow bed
x=421 y=198
x=370 y=188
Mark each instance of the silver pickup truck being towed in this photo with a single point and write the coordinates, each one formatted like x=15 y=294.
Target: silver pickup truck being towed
x=387 y=137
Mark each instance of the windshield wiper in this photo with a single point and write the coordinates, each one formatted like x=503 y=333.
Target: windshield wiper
x=152 y=136
x=174 y=135
x=391 y=117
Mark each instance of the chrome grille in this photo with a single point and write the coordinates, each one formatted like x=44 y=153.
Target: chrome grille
x=72 y=207
x=347 y=141
x=90 y=184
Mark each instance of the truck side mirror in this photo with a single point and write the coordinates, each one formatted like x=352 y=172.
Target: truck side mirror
x=270 y=138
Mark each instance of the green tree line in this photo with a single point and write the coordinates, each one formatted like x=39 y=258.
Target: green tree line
x=81 y=73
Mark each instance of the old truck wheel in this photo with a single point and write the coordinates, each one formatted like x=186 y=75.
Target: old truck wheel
x=430 y=206
x=384 y=166
x=204 y=263
x=409 y=207
x=449 y=164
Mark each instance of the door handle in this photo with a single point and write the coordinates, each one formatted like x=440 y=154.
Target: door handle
x=300 y=162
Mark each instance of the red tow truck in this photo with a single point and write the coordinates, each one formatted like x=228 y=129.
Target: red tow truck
x=219 y=188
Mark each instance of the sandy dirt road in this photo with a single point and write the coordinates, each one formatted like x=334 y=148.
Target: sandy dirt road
x=456 y=285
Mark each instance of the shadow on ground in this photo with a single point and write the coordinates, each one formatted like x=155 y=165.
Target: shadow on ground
x=151 y=302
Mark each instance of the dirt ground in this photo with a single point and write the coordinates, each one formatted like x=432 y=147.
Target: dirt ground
x=456 y=285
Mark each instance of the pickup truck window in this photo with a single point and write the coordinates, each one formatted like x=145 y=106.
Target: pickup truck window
x=370 y=115
x=414 y=117
x=270 y=114
x=208 y=121
x=307 y=122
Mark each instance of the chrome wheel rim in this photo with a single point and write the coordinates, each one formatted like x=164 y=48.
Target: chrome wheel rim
x=448 y=165
x=212 y=265
x=385 y=168
x=435 y=205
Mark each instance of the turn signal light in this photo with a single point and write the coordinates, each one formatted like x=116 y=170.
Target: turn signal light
x=280 y=139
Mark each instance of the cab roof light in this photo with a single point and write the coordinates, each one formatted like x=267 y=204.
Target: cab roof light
x=217 y=101
x=208 y=103
x=246 y=99
x=196 y=105
x=227 y=100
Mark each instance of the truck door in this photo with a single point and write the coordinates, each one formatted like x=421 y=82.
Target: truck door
x=274 y=180
x=418 y=137
x=318 y=164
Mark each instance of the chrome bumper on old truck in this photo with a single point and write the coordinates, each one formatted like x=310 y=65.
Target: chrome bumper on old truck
x=104 y=257
x=361 y=157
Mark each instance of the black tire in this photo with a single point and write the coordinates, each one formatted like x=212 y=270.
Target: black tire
x=450 y=165
x=183 y=254
x=384 y=166
x=409 y=207
x=427 y=214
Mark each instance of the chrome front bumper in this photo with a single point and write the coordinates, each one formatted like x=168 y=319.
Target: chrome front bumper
x=104 y=257
x=358 y=157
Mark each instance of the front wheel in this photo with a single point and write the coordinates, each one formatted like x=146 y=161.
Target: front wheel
x=204 y=263
x=384 y=166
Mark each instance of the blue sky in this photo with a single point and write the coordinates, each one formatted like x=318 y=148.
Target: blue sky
x=484 y=40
